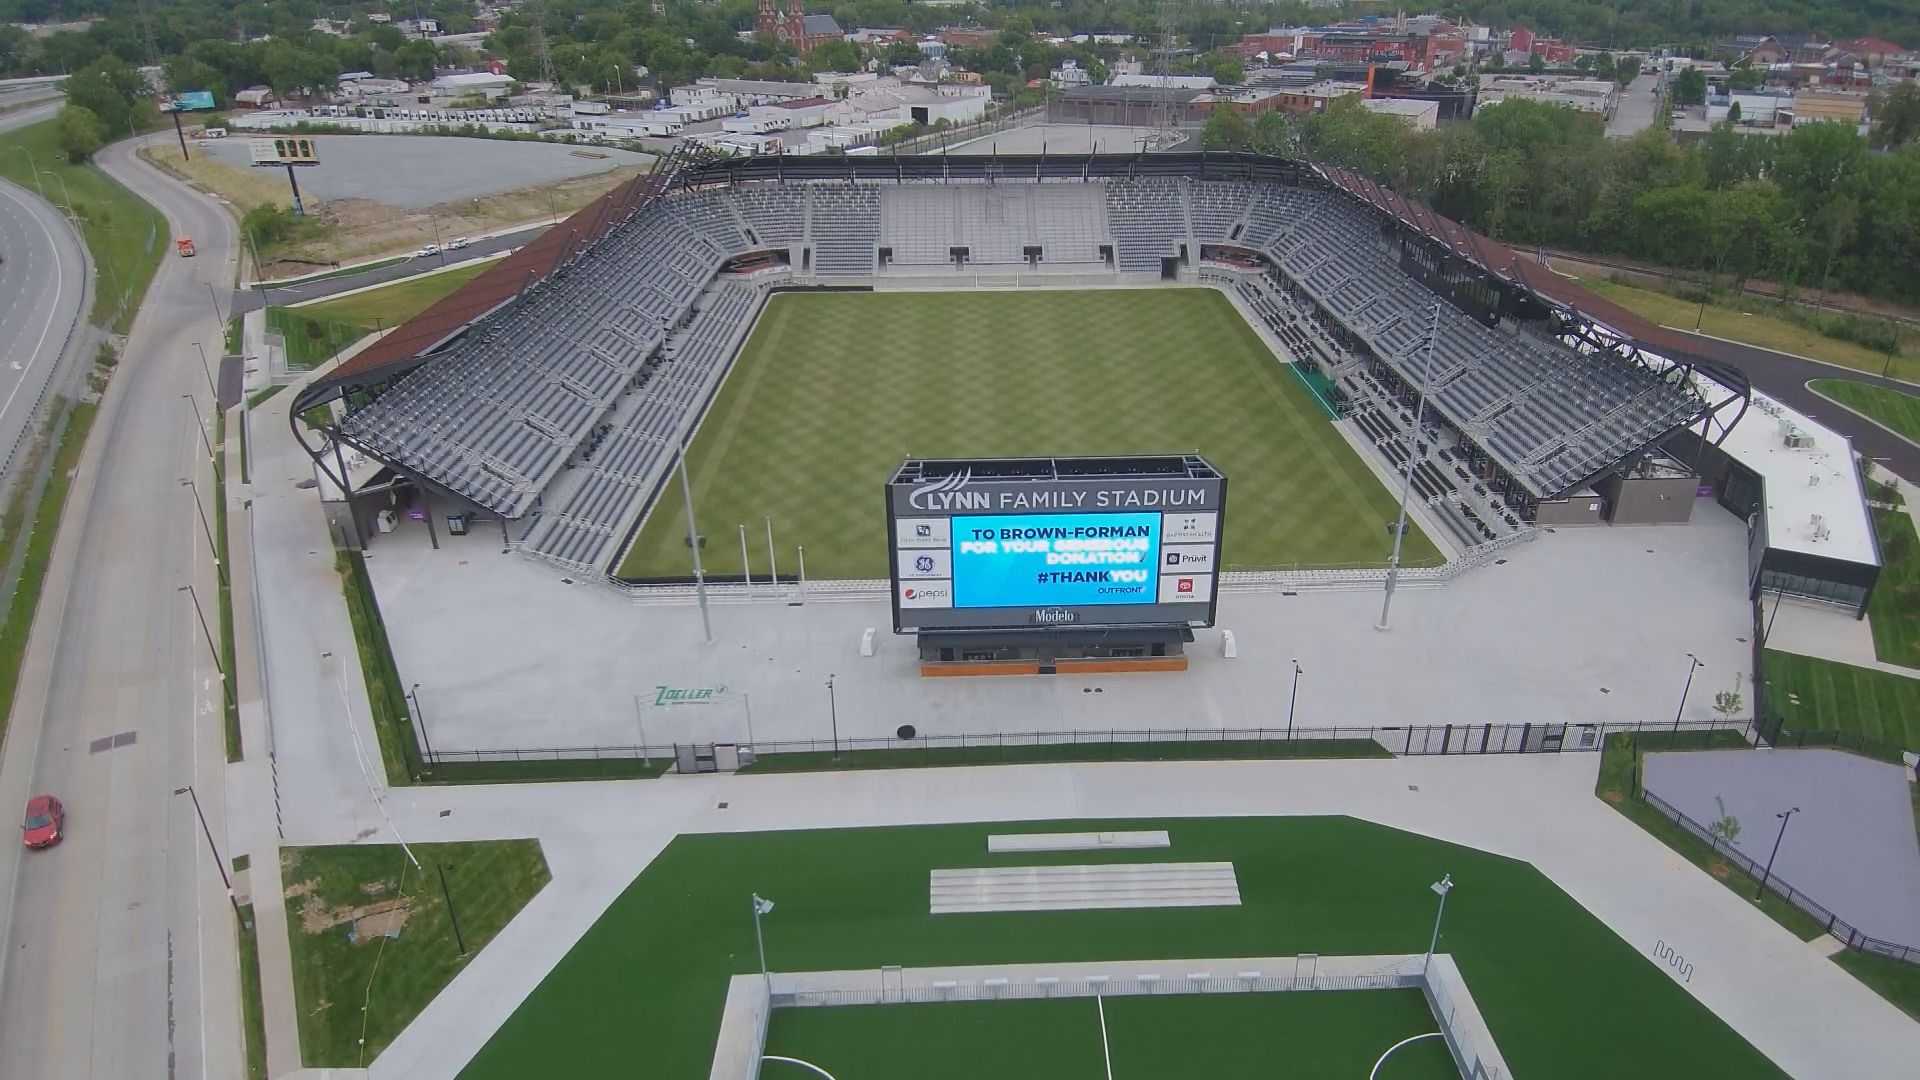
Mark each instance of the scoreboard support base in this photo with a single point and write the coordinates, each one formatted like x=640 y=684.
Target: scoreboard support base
x=1055 y=652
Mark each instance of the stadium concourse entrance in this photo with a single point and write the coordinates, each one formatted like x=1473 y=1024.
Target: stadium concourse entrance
x=1051 y=652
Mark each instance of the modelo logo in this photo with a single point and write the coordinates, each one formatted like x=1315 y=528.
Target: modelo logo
x=946 y=494
x=1053 y=616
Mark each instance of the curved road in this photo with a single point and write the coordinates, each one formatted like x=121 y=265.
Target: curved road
x=42 y=288
x=118 y=945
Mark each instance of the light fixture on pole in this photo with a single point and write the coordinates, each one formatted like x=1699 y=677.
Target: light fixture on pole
x=225 y=879
x=1766 y=875
x=207 y=367
x=761 y=907
x=1442 y=887
x=1413 y=458
x=833 y=716
x=693 y=545
x=1694 y=665
x=1292 y=698
x=212 y=548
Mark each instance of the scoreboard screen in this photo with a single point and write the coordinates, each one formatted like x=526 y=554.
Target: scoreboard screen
x=1085 y=542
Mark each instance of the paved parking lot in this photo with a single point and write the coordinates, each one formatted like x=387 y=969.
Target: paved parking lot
x=1852 y=845
x=423 y=170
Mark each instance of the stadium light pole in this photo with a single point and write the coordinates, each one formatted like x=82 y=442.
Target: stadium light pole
x=1413 y=458
x=1784 y=816
x=762 y=907
x=1292 y=698
x=693 y=545
x=1442 y=887
x=201 y=423
x=1694 y=665
x=212 y=548
x=773 y=565
x=211 y=846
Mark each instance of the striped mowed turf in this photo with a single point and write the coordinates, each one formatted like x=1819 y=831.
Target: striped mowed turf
x=1822 y=695
x=833 y=389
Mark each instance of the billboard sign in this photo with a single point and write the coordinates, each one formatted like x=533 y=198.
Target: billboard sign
x=1093 y=543
x=192 y=101
x=284 y=150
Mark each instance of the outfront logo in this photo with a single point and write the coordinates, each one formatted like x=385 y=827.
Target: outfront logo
x=947 y=493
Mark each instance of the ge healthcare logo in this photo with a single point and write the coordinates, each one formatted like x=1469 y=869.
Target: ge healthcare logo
x=924 y=531
x=1183 y=585
x=924 y=564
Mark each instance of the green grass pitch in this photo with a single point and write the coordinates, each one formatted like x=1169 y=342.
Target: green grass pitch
x=833 y=390
x=640 y=993
x=1327 y=1035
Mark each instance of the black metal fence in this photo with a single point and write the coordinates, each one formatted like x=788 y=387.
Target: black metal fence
x=1852 y=936
x=1146 y=744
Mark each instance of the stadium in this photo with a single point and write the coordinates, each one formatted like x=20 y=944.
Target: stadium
x=803 y=325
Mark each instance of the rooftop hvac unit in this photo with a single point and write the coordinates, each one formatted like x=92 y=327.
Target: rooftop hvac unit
x=1797 y=439
x=1813 y=479
x=1820 y=530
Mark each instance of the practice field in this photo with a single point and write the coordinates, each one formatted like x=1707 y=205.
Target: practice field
x=640 y=994
x=833 y=390
x=1324 y=1035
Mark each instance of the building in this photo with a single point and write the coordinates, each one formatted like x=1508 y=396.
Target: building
x=1178 y=82
x=1871 y=53
x=796 y=28
x=1758 y=108
x=1416 y=114
x=1070 y=74
x=461 y=84
x=1811 y=107
x=1600 y=96
x=738 y=94
x=256 y=97
x=1523 y=43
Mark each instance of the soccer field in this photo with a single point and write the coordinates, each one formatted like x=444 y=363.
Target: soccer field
x=1315 y=1035
x=641 y=993
x=834 y=389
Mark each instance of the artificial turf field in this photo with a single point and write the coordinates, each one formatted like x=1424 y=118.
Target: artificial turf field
x=640 y=994
x=832 y=390
x=1324 y=1035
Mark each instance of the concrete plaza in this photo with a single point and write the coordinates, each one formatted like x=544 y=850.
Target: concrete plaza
x=1582 y=625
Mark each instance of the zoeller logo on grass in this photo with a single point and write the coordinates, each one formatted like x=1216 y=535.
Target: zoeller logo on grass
x=686 y=695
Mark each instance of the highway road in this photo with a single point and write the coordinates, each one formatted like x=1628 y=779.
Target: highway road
x=118 y=953
x=42 y=289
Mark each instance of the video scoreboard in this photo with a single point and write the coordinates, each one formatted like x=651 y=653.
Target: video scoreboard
x=1055 y=543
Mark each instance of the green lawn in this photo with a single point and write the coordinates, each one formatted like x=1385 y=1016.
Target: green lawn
x=253 y=1015
x=126 y=237
x=1320 y=1036
x=35 y=522
x=314 y=332
x=1894 y=607
x=1821 y=695
x=833 y=390
x=392 y=977
x=639 y=995
x=1762 y=330
x=1894 y=409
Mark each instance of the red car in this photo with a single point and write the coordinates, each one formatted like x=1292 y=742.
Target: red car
x=45 y=818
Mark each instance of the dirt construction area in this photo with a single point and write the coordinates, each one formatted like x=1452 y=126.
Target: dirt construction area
x=388 y=194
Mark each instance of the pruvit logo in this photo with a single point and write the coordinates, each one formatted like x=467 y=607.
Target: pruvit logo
x=1054 y=616
x=949 y=493
x=1189 y=558
x=924 y=532
x=924 y=595
x=1198 y=528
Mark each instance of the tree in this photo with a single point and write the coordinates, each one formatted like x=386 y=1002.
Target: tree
x=1724 y=829
x=81 y=133
x=1690 y=87
x=1727 y=703
x=904 y=52
x=110 y=88
x=1225 y=69
x=1733 y=113
x=414 y=59
x=1745 y=77
x=1226 y=129
x=1896 y=115
x=834 y=56
x=1535 y=63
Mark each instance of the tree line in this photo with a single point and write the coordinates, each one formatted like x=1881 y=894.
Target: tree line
x=1819 y=206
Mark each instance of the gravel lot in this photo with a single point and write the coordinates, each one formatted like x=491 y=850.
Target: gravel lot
x=417 y=171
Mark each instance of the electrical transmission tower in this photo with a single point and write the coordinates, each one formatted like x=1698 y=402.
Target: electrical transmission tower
x=537 y=12
x=1166 y=125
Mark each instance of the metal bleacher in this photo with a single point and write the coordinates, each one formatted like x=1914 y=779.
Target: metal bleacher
x=561 y=408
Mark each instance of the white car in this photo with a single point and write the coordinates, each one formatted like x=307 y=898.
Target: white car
x=430 y=249
x=457 y=243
